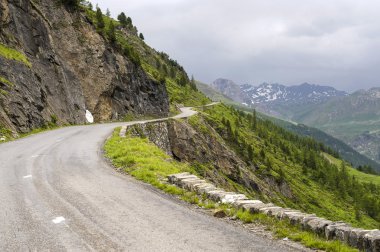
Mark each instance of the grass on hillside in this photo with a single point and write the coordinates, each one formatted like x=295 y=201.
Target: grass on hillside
x=361 y=176
x=13 y=54
x=185 y=95
x=178 y=94
x=308 y=195
x=146 y=162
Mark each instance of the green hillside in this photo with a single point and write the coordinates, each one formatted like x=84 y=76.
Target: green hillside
x=345 y=151
x=362 y=177
x=316 y=185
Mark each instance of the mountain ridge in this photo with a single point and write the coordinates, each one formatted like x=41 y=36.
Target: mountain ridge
x=273 y=92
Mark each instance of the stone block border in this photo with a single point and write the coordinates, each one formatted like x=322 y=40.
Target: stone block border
x=364 y=240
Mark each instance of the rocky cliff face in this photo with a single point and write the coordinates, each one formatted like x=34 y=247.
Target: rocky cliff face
x=229 y=89
x=73 y=69
x=212 y=158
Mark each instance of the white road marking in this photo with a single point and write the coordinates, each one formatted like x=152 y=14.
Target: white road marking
x=34 y=156
x=27 y=176
x=58 y=220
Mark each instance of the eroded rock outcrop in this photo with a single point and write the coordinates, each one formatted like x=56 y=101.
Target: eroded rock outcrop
x=4 y=12
x=209 y=153
x=72 y=69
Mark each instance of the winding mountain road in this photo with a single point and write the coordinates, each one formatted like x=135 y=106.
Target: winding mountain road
x=58 y=193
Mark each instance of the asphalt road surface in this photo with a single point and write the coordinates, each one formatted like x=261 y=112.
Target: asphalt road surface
x=58 y=193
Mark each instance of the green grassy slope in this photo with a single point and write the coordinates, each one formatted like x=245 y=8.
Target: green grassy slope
x=345 y=151
x=360 y=176
x=316 y=185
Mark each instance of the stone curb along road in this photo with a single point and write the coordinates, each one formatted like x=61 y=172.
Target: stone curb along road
x=365 y=240
x=58 y=193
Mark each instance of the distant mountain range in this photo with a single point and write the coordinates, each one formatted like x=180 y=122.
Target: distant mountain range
x=229 y=89
x=304 y=93
x=277 y=99
x=352 y=118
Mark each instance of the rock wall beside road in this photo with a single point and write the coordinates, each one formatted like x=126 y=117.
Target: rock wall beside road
x=72 y=69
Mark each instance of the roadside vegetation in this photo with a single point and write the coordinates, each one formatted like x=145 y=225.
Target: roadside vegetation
x=146 y=162
x=143 y=160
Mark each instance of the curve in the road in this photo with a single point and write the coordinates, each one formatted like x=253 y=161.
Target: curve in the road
x=58 y=193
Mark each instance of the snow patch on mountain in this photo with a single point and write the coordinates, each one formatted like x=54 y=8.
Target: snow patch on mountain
x=273 y=93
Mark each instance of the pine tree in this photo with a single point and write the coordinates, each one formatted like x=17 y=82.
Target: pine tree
x=236 y=136
x=183 y=80
x=129 y=21
x=99 y=19
x=229 y=129
x=268 y=164
x=108 y=13
x=192 y=83
x=237 y=123
x=281 y=174
x=71 y=3
x=250 y=152
x=122 y=19
x=164 y=69
x=142 y=36
x=254 y=120
x=158 y=64
x=111 y=32
x=262 y=154
x=172 y=72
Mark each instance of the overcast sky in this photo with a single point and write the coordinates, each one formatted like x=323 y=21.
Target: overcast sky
x=329 y=42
